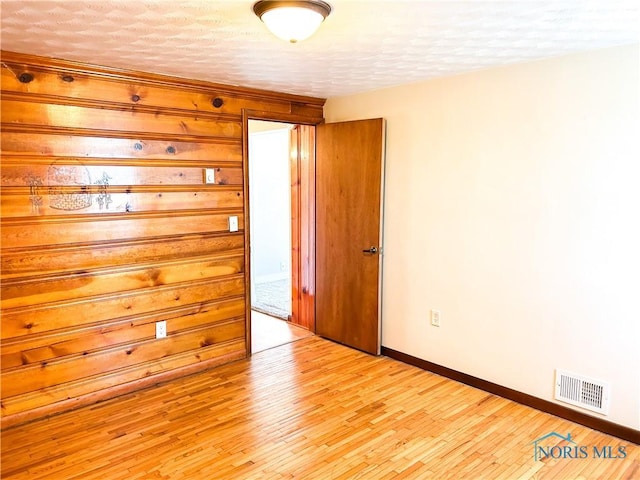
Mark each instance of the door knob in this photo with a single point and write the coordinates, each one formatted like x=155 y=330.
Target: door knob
x=370 y=250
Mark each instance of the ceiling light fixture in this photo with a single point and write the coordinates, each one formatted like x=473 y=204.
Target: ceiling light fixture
x=292 y=21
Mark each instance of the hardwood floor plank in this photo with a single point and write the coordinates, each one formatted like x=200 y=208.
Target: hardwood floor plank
x=310 y=409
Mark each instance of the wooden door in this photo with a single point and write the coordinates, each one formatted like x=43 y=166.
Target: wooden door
x=349 y=179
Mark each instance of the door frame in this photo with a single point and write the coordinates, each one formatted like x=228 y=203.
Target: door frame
x=303 y=221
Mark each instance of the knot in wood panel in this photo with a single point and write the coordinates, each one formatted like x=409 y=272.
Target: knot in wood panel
x=25 y=77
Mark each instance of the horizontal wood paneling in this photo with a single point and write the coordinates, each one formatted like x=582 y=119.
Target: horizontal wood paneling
x=26 y=291
x=50 y=144
x=55 y=315
x=69 y=116
x=55 y=259
x=108 y=227
x=80 y=339
x=20 y=232
x=99 y=179
x=16 y=381
x=17 y=201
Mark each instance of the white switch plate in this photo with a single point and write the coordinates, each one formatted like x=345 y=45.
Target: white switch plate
x=435 y=318
x=209 y=175
x=161 y=329
x=233 y=224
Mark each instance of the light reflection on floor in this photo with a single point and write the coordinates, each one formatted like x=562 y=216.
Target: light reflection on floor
x=268 y=332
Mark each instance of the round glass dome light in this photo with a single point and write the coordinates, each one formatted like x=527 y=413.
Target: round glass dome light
x=292 y=21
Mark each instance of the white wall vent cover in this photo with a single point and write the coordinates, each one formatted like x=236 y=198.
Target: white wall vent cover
x=582 y=391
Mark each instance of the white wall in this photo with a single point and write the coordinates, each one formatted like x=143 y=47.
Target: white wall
x=513 y=206
x=270 y=201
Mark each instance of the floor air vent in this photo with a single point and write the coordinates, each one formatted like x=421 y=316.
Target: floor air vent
x=582 y=391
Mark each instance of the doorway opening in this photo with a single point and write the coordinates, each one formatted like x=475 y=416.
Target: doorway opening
x=270 y=204
x=273 y=199
x=337 y=191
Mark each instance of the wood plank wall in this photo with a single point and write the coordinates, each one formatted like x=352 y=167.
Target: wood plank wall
x=108 y=226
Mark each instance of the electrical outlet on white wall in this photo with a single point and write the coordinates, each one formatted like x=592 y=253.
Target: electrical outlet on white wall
x=435 y=318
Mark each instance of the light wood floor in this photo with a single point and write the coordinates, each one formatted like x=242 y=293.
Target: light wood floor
x=268 y=332
x=306 y=410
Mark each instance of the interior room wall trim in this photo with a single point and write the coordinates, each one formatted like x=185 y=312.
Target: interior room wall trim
x=620 y=431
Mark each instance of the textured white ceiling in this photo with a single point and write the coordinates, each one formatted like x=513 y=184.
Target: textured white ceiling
x=363 y=45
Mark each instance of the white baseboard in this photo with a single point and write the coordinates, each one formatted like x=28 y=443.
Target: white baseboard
x=272 y=277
